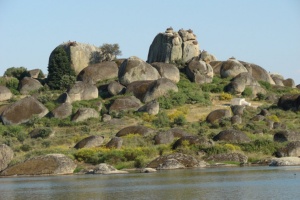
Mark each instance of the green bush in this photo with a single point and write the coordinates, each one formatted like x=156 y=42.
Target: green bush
x=161 y=120
x=266 y=85
x=16 y=72
x=60 y=72
x=247 y=92
x=180 y=120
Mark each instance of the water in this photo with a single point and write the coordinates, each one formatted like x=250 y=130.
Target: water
x=206 y=183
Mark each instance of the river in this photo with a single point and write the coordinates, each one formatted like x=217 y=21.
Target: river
x=261 y=182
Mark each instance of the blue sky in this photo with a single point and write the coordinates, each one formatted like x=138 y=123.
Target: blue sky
x=265 y=32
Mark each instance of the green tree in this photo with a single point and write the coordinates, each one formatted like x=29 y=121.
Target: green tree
x=110 y=51
x=59 y=70
x=16 y=72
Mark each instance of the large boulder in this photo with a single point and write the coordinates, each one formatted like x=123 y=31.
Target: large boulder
x=42 y=165
x=171 y=46
x=233 y=136
x=216 y=65
x=99 y=72
x=23 y=110
x=192 y=140
x=27 y=85
x=139 y=130
x=289 y=83
x=278 y=79
x=169 y=136
x=289 y=101
x=217 y=115
x=232 y=68
x=83 y=114
x=6 y=155
x=237 y=109
x=152 y=108
x=286 y=136
x=62 y=111
x=91 y=141
x=207 y=57
x=115 y=143
x=199 y=71
x=104 y=168
x=167 y=70
x=135 y=69
x=235 y=157
x=258 y=73
x=124 y=104
x=81 y=55
x=241 y=81
x=82 y=91
x=176 y=161
x=115 y=88
x=293 y=149
x=139 y=88
x=5 y=93
x=159 y=88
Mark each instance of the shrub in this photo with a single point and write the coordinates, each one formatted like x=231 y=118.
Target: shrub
x=25 y=147
x=162 y=120
x=60 y=73
x=225 y=96
x=261 y=96
x=266 y=85
x=247 y=92
x=180 y=120
x=16 y=72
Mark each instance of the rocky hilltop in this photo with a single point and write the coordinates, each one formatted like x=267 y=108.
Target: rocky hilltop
x=179 y=109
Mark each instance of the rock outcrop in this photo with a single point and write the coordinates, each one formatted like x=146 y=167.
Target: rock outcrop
x=94 y=73
x=83 y=114
x=199 y=71
x=28 y=85
x=5 y=93
x=176 y=161
x=171 y=46
x=23 y=110
x=91 y=141
x=135 y=69
x=6 y=155
x=167 y=70
x=233 y=136
x=82 y=91
x=62 y=111
x=42 y=165
x=140 y=130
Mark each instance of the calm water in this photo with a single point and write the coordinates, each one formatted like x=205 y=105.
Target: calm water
x=208 y=183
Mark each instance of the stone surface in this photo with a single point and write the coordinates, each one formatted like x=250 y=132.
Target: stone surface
x=159 y=88
x=82 y=91
x=192 y=140
x=167 y=70
x=233 y=136
x=104 y=168
x=115 y=143
x=64 y=98
x=289 y=83
x=216 y=65
x=217 y=115
x=115 y=88
x=152 y=108
x=106 y=118
x=135 y=69
x=97 y=72
x=34 y=73
x=169 y=136
x=232 y=68
x=42 y=165
x=237 y=109
x=289 y=101
x=139 y=88
x=284 y=136
x=199 y=71
x=5 y=93
x=278 y=79
x=6 y=155
x=28 y=85
x=42 y=132
x=140 y=130
x=83 y=114
x=293 y=149
x=91 y=141
x=236 y=119
x=176 y=161
x=235 y=157
x=148 y=170
x=124 y=104
x=23 y=110
x=285 y=161
x=207 y=57
x=62 y=111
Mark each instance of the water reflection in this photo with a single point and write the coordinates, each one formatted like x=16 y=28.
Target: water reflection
x=208 y=183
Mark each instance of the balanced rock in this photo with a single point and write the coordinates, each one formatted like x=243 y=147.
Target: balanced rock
x=28 y=85
x=232 y=68
x=176 y=161
x=42 y=165
x=104 y=168
x=83 y=114
x=62 y=111
x=115 y=143
x=23 y=110
x=124 y=104
x=167 y=70
x=91 y=141
x=169 y=136
x=233 y=136
x=99 y=72
x=135 y=69
x=199 y=71
x=115 y=88
x=6 y=155
x=159 y=88
x=217 y=115
x=140 y=130
x=235 y=157
x=284 y=136
x=5 y=93
x=152 y=108
x=82 y=91
x=289 y=101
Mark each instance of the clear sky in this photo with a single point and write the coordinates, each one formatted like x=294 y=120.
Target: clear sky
x=264 y=32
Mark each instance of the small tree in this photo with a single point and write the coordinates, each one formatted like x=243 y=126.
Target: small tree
x=110 y=51
x=59 y=70
x=17 y=72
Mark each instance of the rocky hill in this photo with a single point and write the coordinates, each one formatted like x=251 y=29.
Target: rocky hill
x=180 y=108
